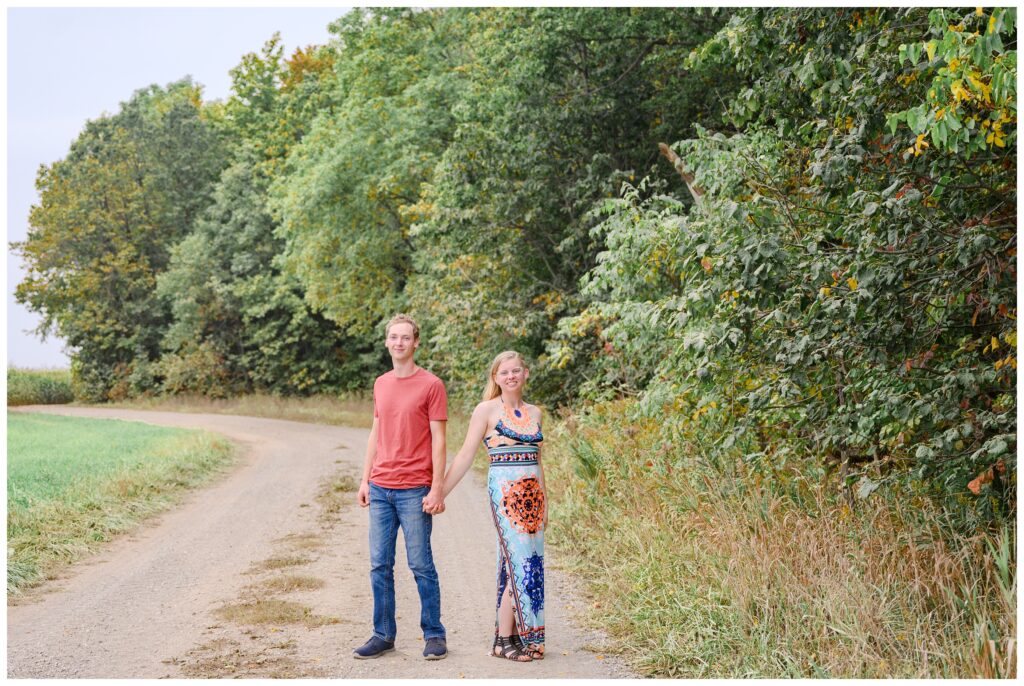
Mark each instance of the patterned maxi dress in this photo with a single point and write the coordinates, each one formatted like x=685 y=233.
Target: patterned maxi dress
x=517 y=506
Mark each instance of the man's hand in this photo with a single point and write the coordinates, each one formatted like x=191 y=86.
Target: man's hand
x=363 y=497
x=433 y=503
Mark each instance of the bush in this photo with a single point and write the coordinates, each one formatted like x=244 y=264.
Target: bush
x=199 y=370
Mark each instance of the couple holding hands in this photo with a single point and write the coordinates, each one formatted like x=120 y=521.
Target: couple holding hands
x=404 y=485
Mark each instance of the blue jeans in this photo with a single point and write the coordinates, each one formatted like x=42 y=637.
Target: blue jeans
x=389 y=509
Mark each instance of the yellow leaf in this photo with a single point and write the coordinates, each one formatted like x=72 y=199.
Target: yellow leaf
x=992 y=23
x=920 y=144
x=852 y=283
x=930 y=48
x=959 y=92
x=979 y=11
x=826 y=291
x=995 y=343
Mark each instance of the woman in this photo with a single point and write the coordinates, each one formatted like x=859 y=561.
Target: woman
x=510 y=430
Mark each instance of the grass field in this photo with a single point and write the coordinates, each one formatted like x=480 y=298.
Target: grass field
x=73 y=483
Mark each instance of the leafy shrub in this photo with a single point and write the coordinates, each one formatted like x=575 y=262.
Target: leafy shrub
x=199 y=370
x=841 y=289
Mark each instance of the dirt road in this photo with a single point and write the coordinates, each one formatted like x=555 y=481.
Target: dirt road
x=270 y=537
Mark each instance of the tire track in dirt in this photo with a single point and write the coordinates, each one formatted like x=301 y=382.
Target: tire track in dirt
x=187 y=594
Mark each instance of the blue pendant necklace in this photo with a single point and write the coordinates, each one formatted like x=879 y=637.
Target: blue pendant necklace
x=515 y=410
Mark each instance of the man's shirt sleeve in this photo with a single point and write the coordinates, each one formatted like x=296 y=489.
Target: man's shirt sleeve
x=437 y=403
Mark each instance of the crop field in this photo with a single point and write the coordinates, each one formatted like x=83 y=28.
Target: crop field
x=38 y=386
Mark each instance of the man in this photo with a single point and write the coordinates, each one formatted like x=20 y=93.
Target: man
x=403 y=480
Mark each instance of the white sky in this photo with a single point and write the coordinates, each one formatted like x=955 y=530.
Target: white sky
x=68 y=65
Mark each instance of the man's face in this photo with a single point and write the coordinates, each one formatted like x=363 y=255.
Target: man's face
x=400 y=341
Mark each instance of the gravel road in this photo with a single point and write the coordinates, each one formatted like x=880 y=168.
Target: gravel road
x=274 y=535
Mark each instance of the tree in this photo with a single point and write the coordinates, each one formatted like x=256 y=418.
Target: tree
x=108 y=215
x=561 y=106
x=240 y=324
x=351 y=190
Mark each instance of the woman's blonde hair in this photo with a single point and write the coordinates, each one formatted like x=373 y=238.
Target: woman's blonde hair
x=491 y=390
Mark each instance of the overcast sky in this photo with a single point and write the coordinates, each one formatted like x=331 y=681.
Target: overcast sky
x=68 y=65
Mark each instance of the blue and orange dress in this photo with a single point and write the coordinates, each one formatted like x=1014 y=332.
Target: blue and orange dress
x=517 y=506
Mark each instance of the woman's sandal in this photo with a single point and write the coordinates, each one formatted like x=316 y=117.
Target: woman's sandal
x=534 y=654
x=509 y=650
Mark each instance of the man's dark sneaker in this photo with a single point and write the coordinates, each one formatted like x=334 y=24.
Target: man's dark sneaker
x=436 y=649
x=375 y=647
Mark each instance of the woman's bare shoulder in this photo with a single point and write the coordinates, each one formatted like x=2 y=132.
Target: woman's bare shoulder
x=487 y=407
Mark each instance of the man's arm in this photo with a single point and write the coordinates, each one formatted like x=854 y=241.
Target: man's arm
x=363 y=496
x=434 y=502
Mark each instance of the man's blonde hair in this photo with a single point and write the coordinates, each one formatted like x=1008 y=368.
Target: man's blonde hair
x=403 y=319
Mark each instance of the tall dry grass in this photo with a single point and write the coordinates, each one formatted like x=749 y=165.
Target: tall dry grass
x=696 y=573
x=350 y=410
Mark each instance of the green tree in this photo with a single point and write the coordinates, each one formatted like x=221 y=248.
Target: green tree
x=561 y=106
x=240 y=324
x=128 y=190
x=352 y=187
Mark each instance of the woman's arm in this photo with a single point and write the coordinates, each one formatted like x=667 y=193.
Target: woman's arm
x=464 y=458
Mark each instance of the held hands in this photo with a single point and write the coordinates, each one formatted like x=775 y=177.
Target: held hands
x=433 y=503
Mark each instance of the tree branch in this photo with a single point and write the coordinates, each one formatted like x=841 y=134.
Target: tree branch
x=680 y=167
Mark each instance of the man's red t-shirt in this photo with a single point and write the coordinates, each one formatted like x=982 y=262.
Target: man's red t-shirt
x=404 y=408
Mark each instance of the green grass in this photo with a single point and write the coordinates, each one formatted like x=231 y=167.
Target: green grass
x=73 y=483
x=38 y=386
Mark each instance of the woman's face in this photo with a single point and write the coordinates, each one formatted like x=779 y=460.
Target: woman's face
x=511 y=375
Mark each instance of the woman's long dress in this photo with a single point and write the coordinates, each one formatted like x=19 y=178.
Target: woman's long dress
x=517 y=506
